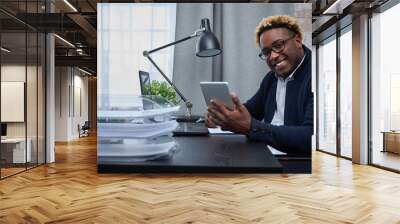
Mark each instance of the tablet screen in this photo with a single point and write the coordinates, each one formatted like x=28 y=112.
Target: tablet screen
x=217 y=90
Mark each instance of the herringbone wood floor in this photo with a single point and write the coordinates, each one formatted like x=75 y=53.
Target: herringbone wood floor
x=71 y=191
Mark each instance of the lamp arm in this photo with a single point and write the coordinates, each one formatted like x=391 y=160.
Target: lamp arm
x=196 y=33
x=187 y=102
x=167 y=45
x=189 y=105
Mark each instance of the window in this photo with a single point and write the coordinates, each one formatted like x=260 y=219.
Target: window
x=346 y=93
x=22 y=66
x=327 y=95
x=385 y=86
x=124 y=32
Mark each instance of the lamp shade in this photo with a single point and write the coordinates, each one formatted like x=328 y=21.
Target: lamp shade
x=207 y=45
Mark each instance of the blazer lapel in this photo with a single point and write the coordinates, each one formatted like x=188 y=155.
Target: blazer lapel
x=270 y=105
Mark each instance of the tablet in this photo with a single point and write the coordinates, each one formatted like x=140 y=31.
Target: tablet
x=218 y=90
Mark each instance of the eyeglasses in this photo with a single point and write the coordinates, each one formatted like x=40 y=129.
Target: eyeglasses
x=277 y=47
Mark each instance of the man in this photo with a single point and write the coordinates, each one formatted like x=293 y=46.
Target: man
x=281 y=111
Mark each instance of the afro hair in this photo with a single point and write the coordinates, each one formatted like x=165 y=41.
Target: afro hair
x=279 y=21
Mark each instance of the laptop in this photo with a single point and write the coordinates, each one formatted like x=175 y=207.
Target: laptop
x=190 y=129
x=145 y=84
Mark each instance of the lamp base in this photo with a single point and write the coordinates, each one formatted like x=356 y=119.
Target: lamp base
x=189 y=119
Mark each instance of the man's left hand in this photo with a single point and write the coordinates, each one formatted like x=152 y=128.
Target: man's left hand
x=237 y=120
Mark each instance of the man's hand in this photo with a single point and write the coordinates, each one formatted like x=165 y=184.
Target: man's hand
x=209 y=122
x=237 y=120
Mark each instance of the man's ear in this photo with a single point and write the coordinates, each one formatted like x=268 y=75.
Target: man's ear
x=298 y=41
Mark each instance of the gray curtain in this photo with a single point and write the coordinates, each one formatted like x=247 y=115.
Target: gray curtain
x=234 y=25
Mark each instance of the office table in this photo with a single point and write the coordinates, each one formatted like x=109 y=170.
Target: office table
x=211 y=154
x=16 y=148
x=391 y=141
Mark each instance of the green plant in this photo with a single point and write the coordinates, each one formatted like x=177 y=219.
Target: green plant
x=161 y=89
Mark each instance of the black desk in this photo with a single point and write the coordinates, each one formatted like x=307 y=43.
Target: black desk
x=213 y=154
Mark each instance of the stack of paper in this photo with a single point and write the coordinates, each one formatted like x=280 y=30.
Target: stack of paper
x=135 y=130
x=136 y=149
x=137 y=133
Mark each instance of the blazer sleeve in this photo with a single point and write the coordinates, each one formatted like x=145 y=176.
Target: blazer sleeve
x=289 y=139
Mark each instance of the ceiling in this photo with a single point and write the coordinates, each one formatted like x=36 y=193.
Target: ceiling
x=76 y=22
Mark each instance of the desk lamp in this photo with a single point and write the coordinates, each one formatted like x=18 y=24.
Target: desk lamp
x=207 y=46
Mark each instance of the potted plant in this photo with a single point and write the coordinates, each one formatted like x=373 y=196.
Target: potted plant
x=162 y=89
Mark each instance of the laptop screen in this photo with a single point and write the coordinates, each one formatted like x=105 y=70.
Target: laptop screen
x=144 y=79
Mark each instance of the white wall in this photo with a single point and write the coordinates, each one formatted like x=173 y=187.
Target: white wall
x=71 y=94
x=14 y=73
x=33 y=105
x=80 y=109
x=61 y=103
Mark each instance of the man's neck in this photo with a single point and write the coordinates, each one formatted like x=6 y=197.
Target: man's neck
x=298 y=61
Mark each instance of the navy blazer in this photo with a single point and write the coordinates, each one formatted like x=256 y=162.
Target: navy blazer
x=294 y=137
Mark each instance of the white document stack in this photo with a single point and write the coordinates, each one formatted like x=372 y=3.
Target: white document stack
x=139 y=133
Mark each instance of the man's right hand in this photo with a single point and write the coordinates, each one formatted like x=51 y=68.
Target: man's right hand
x=209 y=123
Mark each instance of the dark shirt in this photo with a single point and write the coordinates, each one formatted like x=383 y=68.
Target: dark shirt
x=294 y=137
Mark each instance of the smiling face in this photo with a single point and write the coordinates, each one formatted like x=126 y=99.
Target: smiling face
x=286 y=61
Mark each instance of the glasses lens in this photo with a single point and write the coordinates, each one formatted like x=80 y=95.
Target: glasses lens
x=278 y=46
